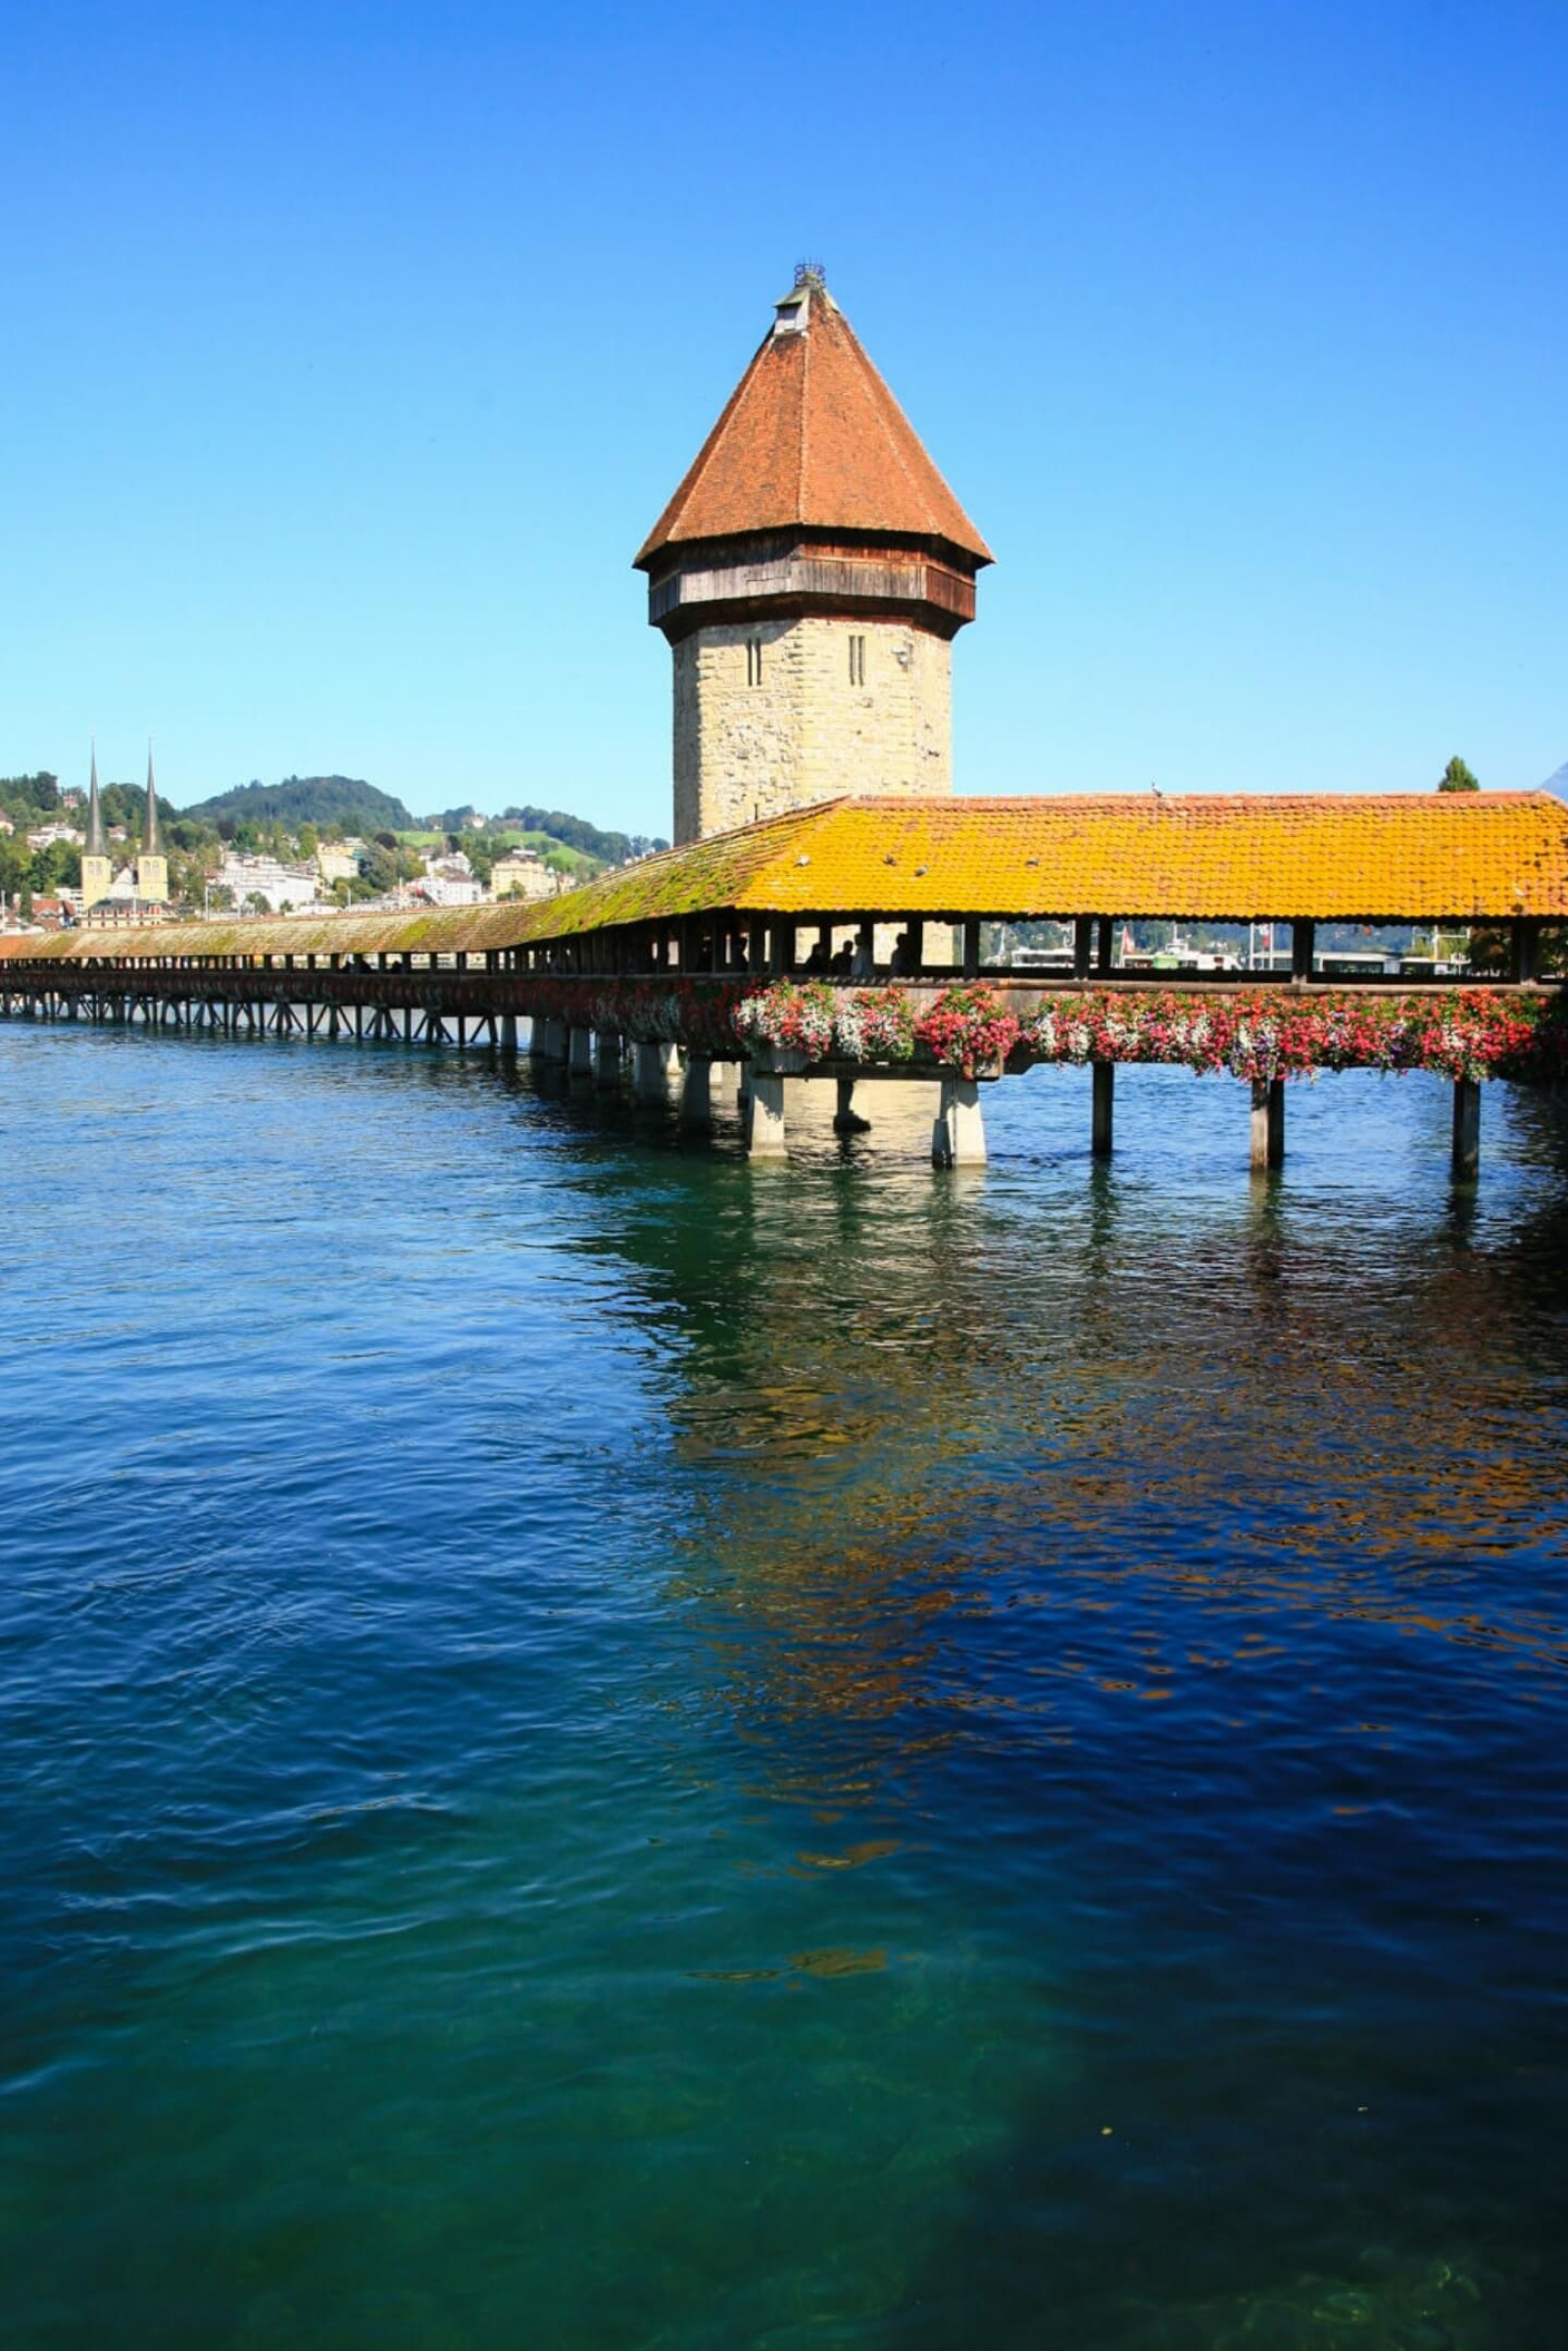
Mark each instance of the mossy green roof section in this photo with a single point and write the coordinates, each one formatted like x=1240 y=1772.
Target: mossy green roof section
x=713 y=873
x=746 y=869
x=448 y=930
x=1351 y=857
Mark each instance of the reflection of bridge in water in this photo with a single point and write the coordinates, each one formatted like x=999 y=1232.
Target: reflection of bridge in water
x=868 y=941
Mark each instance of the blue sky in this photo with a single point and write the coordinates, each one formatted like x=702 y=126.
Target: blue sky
x=353 y=349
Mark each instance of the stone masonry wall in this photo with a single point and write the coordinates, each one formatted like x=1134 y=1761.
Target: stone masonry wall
x=808 y=731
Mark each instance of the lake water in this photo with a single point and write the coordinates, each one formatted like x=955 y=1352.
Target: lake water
x=607 y=1748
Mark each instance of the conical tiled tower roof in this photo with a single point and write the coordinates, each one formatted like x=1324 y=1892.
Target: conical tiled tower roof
x=97 y=846
x=813 y=439
x=152 y=846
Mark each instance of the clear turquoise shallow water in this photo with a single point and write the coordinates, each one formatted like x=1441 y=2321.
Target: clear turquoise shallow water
x=609 y=1748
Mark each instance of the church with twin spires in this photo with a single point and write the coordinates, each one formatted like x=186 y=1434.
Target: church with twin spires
x=811 y=574
x=148 y=888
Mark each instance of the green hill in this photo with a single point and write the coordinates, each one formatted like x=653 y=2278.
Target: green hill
x=611 y=849
x=331 y=802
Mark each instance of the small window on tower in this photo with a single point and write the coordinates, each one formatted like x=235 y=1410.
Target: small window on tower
x=754 y=660
x=856 y=660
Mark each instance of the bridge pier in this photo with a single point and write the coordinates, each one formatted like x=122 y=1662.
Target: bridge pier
x=697 y=1096
x=656 y=1065
x=608 y=1059
x=847 y=1119
x=958 y=1138
x=581 y=1053
x=764 y=1117
x=1466 y=1129
x=1269 y=1124
x=1103 y=1109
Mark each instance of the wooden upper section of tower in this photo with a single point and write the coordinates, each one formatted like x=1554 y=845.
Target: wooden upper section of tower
x=813 y=492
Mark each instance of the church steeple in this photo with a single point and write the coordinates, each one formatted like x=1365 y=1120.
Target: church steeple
x=96 y=847
x=154 y=845
x=152 y=867
x=96 y=871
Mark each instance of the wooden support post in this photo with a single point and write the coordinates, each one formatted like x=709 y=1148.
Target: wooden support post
x=1303 y=942
x=958 y=1138
x=847 y=1119
x=581 y=1053
x=509 y=1035
x=1103 y=1112
x=764 y=1117
x=1466 y=1129
x=972 y=949
x=1083 y=940
x=1105 y=944
x=606 y=1060
x=1269 y=1124
x=1524 y=943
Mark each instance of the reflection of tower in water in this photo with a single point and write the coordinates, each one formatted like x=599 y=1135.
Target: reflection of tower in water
x=915 y=1431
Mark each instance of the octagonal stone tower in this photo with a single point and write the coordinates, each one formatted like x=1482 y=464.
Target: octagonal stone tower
x=811 y=574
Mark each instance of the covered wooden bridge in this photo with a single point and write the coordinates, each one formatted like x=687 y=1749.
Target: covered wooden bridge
x=870 y=939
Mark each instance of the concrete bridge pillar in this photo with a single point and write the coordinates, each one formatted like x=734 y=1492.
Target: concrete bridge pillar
x=958 y=1138
x=606 y=1058
x=1268 y=1122
x=581 y=1053
x=655 y=1066
x=509 y=1035
x=764 y=1118
x=696 y=1095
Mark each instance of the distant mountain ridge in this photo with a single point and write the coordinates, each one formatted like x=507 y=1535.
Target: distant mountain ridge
x=344 y=802
x=1557 y=783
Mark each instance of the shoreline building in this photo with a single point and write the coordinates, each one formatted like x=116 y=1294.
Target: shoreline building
x=810 y=573
x=280 y=887
x=524 y=873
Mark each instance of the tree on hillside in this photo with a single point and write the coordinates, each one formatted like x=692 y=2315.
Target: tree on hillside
x=27 y=797
x=1456 y=777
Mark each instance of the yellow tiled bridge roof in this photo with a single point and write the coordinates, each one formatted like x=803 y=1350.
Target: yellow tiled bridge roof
x=1332 y=857
x=1328 y=857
